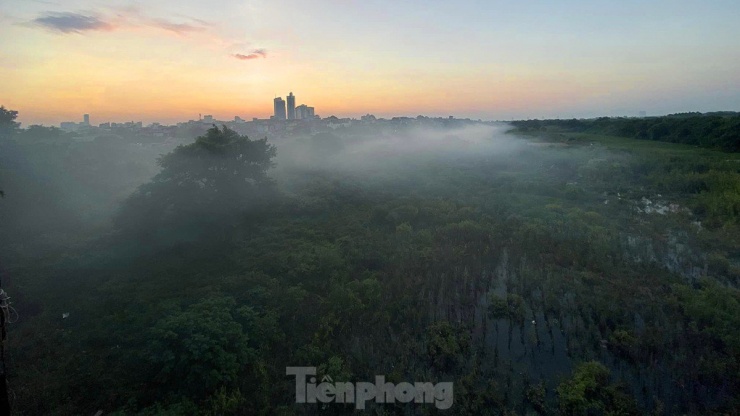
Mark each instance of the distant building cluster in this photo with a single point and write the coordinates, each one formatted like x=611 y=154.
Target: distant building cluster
x=74 y=126
x=84 y=125
x=276 y=126
x=283 y=109
x=302 y=112
x=184 y=132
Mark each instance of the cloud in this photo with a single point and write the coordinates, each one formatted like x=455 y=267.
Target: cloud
x=128 y=18
x=133 y=16
x=179 y=28
x=72 y=23
x=255 y=54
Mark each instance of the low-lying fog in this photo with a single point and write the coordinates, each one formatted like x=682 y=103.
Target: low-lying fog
x=60 y=189
x=349 y=151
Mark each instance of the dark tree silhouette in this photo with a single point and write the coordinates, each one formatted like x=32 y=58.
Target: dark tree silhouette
x=221 y=175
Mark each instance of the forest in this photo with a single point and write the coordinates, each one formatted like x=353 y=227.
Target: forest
x=717 y=130
x=574 y=267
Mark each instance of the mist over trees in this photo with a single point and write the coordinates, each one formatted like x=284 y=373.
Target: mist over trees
x=205 y=184
x=66 y=187
x=549 y=271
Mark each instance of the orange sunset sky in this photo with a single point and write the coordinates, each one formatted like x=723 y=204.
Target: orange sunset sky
x=171 y=60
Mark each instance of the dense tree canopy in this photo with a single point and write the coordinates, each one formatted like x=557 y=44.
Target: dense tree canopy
x=8 y=125
x=588 y=392
x=220 y=175
x=712 y=130
x=202 y=348
x=500 y=271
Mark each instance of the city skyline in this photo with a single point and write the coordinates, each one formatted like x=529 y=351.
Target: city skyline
x=495 y=60
x=302 y=113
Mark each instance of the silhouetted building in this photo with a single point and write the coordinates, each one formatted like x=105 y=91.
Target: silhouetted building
x=68 y=126
x=304 y=112
x=301 y=112
x=86 y=119
x=279 y=109
x=291 y=106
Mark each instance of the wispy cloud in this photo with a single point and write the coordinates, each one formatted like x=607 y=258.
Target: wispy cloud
x=255 y=54
x=72 y=23
x=179 y=28
x=129 y=18
x=133 y=18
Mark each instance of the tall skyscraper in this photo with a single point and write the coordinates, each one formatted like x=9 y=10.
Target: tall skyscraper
x=86 y=119
x=279 y=109
x=291 y=106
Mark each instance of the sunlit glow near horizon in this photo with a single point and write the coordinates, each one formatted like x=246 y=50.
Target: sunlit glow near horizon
x=495 y=60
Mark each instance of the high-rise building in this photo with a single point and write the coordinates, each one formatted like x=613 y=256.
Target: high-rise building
x=279 y=109
x=86 y=119
x=300 y=112
x=291 y=106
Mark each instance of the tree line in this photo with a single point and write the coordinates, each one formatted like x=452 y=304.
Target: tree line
x=719 y=130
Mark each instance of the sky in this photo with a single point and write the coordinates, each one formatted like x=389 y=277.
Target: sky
x=170 y=60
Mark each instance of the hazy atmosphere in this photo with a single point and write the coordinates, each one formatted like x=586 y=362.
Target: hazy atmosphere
x=168 y=60
x=343 y=207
